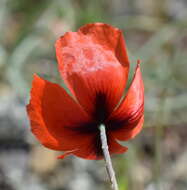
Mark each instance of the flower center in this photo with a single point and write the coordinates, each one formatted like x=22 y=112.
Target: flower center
x=101 y=111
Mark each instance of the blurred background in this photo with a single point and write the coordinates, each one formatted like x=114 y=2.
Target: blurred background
x=155 y=32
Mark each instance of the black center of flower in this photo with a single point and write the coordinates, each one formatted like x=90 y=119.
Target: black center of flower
x=99 y=115
x=101 y=111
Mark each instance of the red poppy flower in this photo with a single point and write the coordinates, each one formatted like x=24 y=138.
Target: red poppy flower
x=94 y=64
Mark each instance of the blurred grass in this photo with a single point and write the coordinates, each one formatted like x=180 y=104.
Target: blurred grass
x=30 y=28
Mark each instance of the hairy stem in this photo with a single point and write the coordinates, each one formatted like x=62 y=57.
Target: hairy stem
x=109 y=168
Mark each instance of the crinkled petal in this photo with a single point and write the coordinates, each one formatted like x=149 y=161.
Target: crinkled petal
x=55 y=116
x=93 y=62
x=110 y=38
x=127 y=120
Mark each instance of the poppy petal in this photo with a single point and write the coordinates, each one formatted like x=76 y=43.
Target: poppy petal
x=90 y=150
x=114 y=146
x=94 y=62
x=53 y=114
x=110 y=38
x=40 y=130
x=93 y=151
x=127 y=120
x=129 y=131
